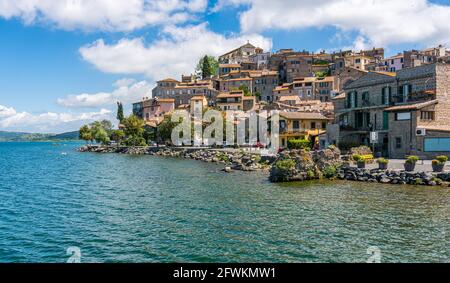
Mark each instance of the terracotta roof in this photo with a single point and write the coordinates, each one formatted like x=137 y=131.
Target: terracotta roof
x=415 y=106
x=303 y=115
x=229 y=66
x=168 y=100
x=289 y=97
x=198 y=97
x=227 y=94
x=238 y=79
x=169 y=80
x=251 y=97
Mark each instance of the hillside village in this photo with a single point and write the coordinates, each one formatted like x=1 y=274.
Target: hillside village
x=399 y=105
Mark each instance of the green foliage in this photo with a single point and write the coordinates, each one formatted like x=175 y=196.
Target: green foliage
x=442 y=159
x=320 y=62
x=101 y=136
x=299 y=144
x=165 y=129
x=207 y=66
x=357 y=158
x=412 y=159
x=120 y=115
x=134 y=130
x=382 y=160
x=310 y=174
x=85 y=133
x=117 y=136
x=418 y=181
x=223 y=157
x=330 y=172
x=245 y=89
x=285 y=164
x=320 y=74
x=258 y=95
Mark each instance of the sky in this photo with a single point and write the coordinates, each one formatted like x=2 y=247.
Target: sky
x=65 y=63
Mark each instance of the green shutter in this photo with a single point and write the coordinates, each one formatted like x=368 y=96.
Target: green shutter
x=385 y=120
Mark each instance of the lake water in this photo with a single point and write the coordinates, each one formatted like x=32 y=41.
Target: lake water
x=120 y=208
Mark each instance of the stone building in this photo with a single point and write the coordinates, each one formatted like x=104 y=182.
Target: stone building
x=183 y=92
x=240 y=54
x=409 y=110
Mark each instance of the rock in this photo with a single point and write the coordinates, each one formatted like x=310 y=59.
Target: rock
x=228 y=169
x=385 y=180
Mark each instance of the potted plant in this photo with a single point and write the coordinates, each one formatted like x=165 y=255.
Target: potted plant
x=410 y=163
x=438 y=164
x=382 y=163
x=360 y=161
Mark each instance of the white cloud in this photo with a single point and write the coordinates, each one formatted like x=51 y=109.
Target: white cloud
x=48 y=122
x=108 y=15
x=6 y=111
x=377 y=22
x=127 y=91
x=176 y=53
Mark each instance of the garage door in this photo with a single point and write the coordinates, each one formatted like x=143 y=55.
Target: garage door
x=437 y=144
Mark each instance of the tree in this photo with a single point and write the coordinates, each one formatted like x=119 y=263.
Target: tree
x=207 y=66
x=85 y=133
x=245 y=89
x=101 y=136
x=117 y=136
x=120 y=115
x=134 y=130
x=165 y=129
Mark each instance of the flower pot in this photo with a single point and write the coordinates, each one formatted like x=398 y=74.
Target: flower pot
x=361 y=165
x=382 y=166
x=410 y=167
x=438 y=167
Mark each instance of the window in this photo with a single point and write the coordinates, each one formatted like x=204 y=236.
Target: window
x=357 y=61
x=313 y=125
x=324 y=125
x=365 y=96
x=402 y=116
x=386 y=95
x=398 y=142
x=296 y=125
x=427 y=115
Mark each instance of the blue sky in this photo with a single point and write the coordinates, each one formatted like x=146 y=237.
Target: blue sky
x=65 y=64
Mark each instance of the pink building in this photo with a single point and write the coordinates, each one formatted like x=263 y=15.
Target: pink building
x=154 y=108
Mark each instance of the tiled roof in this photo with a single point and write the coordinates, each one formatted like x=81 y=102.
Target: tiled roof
x=168 y=80
x=303 y=115
x=414 y=106
x=198 y=97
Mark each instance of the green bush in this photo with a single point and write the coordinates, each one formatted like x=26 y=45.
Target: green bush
x=299 y=144
x=357 y=158
x=418 y=181
x=412 y=159
x=285 y=164
x=442 y=158
x=382 y=160
x=310 y=174
x=330 y=171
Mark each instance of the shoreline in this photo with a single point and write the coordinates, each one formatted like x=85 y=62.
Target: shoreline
x=312 y=165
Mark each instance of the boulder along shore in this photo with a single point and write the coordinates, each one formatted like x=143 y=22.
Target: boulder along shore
x=287 y=166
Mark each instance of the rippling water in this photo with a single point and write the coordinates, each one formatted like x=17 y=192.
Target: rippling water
x=120 y=208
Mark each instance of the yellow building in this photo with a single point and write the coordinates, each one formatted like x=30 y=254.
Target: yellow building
x=300 y=125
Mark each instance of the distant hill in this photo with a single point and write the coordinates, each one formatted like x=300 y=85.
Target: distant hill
x=23 y=137
x=66 y=136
